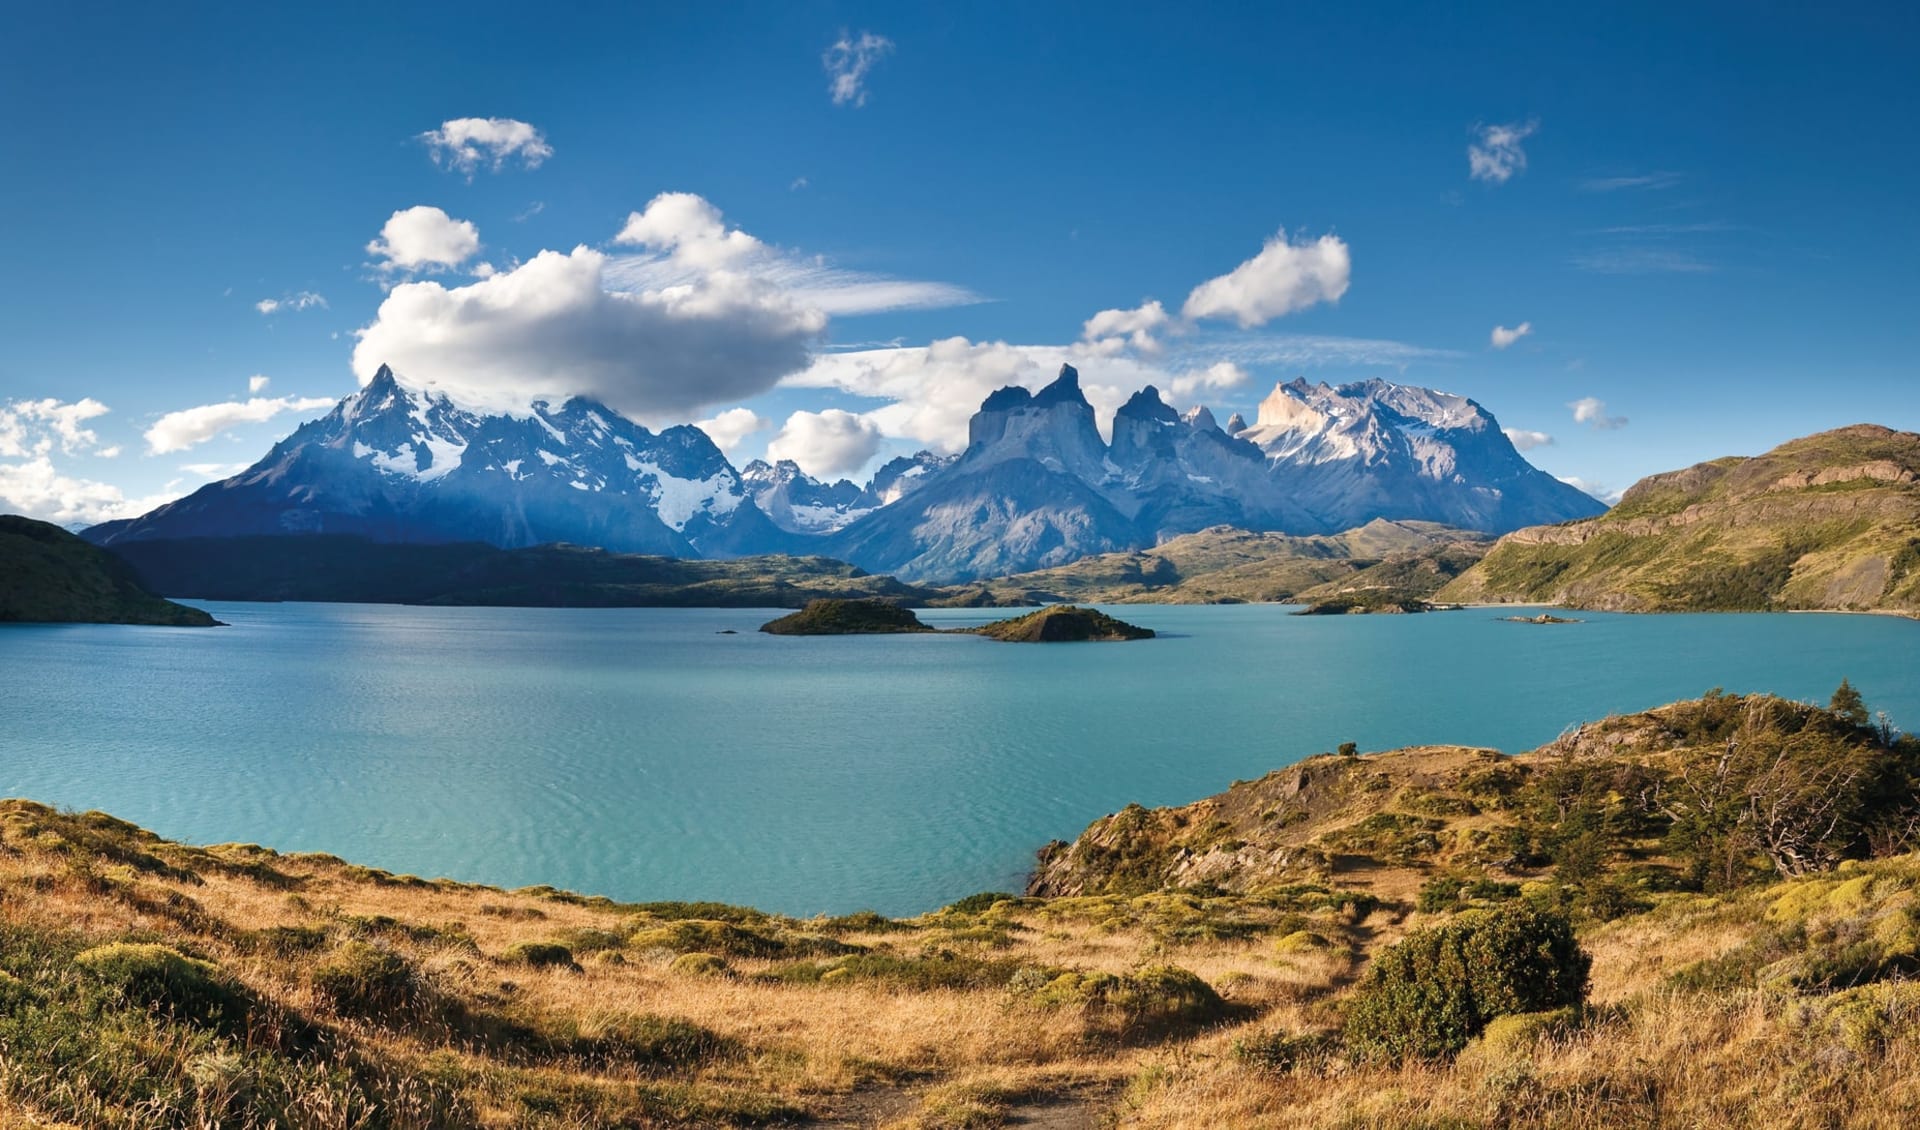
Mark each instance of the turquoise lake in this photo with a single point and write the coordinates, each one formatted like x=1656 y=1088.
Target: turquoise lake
x=640 y=754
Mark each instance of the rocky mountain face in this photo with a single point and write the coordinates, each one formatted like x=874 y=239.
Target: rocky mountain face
x=1830 y=520
x=1037 y=487
x=398 y=464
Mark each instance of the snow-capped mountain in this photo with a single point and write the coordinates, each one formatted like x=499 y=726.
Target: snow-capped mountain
x=1375 y=449
x=798 y=502
x=396 y=463
x=1037 y=486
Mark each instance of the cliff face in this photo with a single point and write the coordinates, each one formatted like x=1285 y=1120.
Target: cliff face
x=1830 y=521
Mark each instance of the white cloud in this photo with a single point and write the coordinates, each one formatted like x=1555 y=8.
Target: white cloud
x=826 y=444
x=465 y=144
x=37 y=489
x=424 y=238
x=1496 y=155
x=1112 y=330
x=1593 y=411
x=1283 y=278
x=1640 y=181
x=258 y=383
x=33 y=427
x=552 y=328
x=1642 y=261
x=731 y=428
x=1503 y=337
x=212 y=471
x=688 y=230
x=686 y=239
x=847 y=63
x=1188 y=388
x=302 y=300
x=177 y=431
x=1526 y=440
x=1604 y=494
x=798 y=184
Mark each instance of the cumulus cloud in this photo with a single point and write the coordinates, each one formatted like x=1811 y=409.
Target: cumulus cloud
x=34 y=427
x=847 y=63
x=1112 y=330
x=689 y=230
x=731 y=428
x=424 y=238
x=1283 y=278
x=177 y=431
x=258 y=383
x=1592 y=411
x=826 y=444
x=1495 y=155
x=552 y=328
x=38 y=489
x=1190 y=387
x=466 y=144
x=1526 y=440
x=1503 y=337
x=302 y=300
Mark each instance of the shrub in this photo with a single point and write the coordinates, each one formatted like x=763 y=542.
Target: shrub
x=540 y=955
x=160 y=977
x=1150 y=999
x=975 y=903
x=1437 y=988
x=700 y=965
x=650 y=1041
x=697 y=935
x=359 y=979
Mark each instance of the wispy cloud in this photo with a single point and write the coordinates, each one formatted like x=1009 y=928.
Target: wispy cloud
x=1526 y=440
x=1654 y=180
x=1495 y=156
x=177 y=431
x=847 y=63
x=1592 y=411
x=1600 y=491
x=1642 y=261
x=301 y=300
x=1699 y=228
x=811 y=282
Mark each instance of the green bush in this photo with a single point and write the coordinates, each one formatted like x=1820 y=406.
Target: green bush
x=1428 y=994
x=700 y=965
x=975 y=903
x=1150 y=999
x=160 y=977
x=359 y=979
x=650 y=1041
x=540 y=955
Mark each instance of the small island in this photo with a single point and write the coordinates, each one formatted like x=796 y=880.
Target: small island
x=1375 y=602
x=829 y=616
x=1063 y=623
x=1543 y=618
x=1060 y=623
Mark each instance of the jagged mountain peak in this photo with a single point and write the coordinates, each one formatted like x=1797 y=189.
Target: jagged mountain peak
x=1147 y=405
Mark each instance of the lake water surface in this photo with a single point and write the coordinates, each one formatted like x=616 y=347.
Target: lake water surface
x=638 y=753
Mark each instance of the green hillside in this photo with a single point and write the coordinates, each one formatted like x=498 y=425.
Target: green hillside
x=1831 y=521
x=48 y=575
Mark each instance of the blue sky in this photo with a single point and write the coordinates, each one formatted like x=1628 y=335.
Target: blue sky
x=1703 y=216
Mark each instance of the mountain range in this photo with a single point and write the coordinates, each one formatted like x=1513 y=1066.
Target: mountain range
x=1036 y=486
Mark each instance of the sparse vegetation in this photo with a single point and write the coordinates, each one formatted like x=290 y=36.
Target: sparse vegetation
x=1431 y=937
